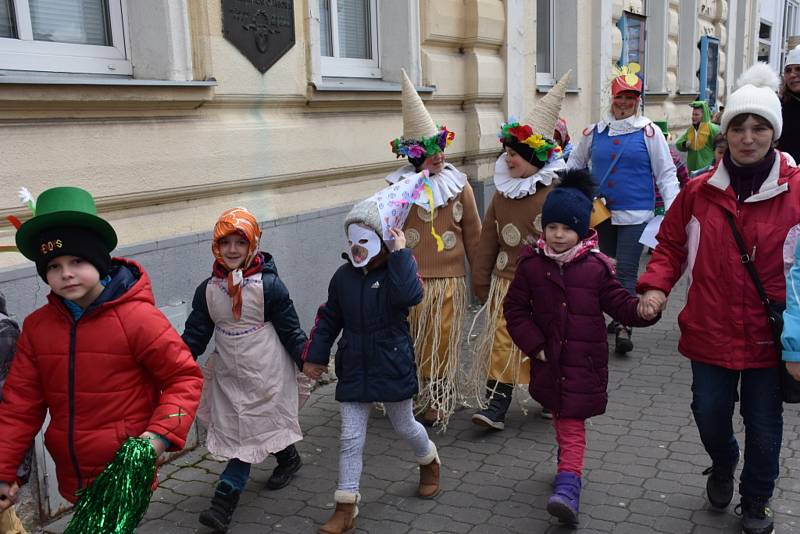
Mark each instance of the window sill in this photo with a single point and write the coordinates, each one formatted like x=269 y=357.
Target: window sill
x=23 y=95
x=546 y=89
x=364 y=85
x=31 y=78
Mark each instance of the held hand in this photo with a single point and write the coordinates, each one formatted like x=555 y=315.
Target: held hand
x=399 y=242
x=794 y=369
x=646 y=311
x=314 y=370
x=8 y=495
x=158 y=444
x=655 y=299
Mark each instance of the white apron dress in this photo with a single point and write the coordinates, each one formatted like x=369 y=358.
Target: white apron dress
x=250 y=396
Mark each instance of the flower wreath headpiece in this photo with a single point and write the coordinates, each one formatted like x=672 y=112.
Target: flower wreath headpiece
x=546 y=149
x=425 y=147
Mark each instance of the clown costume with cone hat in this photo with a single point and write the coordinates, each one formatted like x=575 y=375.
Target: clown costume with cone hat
x=440 y=231
x=523 y=177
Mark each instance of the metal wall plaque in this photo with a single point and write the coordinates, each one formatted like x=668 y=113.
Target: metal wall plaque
x=262 y=30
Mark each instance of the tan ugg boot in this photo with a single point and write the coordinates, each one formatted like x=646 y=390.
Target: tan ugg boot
x=429 y=474
x=343 y=520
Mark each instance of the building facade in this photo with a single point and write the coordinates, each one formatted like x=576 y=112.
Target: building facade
x=151 y=106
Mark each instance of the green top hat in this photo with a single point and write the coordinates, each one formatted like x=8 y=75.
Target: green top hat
x=663 y=126
x=63 y=206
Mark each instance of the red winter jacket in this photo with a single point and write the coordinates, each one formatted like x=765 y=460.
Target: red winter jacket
x=120 y=370
x=724 y=322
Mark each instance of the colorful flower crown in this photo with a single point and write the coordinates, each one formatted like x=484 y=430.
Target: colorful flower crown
x=428 y=146
x=546 y=149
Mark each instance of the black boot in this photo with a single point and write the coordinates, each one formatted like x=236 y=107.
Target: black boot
x=756 y=515
x=494 y=416
x=719 y=486
x=224 y=502
x=622 y=341
x=289 y=462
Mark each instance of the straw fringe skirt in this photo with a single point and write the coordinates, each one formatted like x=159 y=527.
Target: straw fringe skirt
x=437 y=325
x=496 y=356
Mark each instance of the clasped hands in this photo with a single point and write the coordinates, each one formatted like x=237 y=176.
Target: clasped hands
x=651 y=304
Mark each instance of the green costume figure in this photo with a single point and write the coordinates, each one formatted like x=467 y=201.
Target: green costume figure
x=698 y=139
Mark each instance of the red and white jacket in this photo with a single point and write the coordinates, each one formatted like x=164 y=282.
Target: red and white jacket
x=724 y=322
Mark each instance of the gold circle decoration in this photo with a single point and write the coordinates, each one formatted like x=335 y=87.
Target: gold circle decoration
x=412 y=238
x=511 y=235
x=424 y=214
x=502 y=260
x=537 y=224
x=449 y=238
x=458 y=211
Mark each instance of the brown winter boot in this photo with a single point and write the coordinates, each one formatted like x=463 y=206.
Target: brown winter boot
x=429 y=474
x=343 y=520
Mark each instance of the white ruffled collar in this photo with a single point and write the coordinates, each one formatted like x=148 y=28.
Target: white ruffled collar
x=622 y=126
x=513 y=188
x=445 y=185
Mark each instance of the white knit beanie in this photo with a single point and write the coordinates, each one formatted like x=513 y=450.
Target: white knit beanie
x=757 y=94
x=793 y=57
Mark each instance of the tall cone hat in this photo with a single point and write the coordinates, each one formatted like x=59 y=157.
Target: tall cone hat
x=417 y=122
x=544 y=116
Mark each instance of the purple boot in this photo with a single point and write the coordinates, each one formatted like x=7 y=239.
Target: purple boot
x=564 y=502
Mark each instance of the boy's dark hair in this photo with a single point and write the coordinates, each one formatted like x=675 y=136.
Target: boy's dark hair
x=719 y=140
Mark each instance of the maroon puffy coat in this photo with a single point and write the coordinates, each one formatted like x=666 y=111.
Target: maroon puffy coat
x=560 y=310
x=119 y=370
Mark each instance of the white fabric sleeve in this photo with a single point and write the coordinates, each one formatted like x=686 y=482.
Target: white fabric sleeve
x=662 y=165
x=581 y=155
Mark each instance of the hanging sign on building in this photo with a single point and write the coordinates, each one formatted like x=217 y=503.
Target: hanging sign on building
x=262 y=30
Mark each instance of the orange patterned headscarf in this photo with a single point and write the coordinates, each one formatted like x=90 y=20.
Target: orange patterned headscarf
x=237 y=220
x=232 y=221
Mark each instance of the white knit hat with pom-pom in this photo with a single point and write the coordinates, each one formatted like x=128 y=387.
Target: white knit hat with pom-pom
x=757 y=94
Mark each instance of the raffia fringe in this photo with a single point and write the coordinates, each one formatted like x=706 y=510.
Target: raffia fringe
x=442 y=389
x=491 y=312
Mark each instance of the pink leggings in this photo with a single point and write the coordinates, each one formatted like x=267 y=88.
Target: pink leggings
x=571 y=438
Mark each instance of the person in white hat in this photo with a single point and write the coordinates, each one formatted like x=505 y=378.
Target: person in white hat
x=789 y=140
x=523 y=175
x=752 y=196
x=368 y=301
x=440 y=235
x=625 y=151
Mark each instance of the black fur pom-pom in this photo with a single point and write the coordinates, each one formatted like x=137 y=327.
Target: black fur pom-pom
x=578 y=179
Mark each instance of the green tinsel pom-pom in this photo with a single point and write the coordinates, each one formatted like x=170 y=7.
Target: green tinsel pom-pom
x=118 y=498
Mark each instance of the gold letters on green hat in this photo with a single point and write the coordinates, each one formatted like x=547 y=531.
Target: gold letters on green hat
x=63 y=206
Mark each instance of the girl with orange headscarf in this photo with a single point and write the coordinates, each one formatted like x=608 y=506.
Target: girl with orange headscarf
x=251 y=396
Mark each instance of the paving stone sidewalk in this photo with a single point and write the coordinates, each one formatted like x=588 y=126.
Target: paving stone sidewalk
x=643 y=467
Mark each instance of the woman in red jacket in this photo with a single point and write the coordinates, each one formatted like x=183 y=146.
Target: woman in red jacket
x=724 y=327
x=99 y=355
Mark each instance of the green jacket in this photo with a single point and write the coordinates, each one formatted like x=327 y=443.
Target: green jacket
x=699 y=142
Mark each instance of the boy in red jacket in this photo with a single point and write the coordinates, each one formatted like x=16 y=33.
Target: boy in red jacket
x=554 y=310
x=99 y=355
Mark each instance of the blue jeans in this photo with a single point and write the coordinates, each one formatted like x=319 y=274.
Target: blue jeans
x=714 y=393
x=236 y=473
x=622 y=242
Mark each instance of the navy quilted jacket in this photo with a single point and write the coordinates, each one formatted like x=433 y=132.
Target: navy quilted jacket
x=375 y=355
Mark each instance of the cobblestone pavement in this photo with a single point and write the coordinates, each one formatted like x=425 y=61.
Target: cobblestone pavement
x=643 y=467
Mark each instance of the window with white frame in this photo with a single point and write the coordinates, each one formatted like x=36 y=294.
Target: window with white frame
x=349 y=38
x=764 y=41
x=545 y=38
x=790 y=10
x=76 y=36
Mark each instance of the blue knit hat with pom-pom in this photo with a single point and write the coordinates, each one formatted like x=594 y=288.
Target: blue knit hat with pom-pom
x=570 y=203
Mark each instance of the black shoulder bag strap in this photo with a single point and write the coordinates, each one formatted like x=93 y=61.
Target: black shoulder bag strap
x=747 y=261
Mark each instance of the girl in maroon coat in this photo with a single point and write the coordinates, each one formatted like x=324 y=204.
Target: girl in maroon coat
x=554 y=309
